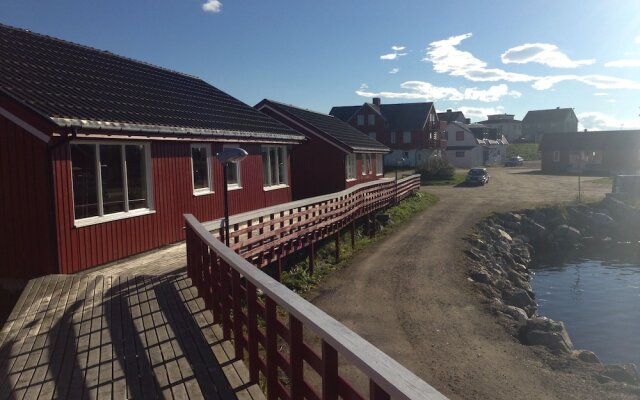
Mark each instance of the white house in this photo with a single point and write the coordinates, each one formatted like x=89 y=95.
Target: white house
x=463 y=149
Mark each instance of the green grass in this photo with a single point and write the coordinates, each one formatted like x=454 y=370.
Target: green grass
x=529 y=151
x=457 y=178
x=298 y=278
x=606 y=181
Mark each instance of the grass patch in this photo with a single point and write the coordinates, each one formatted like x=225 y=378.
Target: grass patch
x=458 y=177
x=606 y=181
x=529 y=151
x=297 y=276
x=403 y=172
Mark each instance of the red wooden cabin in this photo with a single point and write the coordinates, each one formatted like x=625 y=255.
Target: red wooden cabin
x=100 y=155
x=335 y=157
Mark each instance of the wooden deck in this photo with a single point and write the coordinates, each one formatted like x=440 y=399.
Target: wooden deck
x=116 y=336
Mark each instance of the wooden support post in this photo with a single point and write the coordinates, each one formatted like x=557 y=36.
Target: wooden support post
x=329 y=372
x=295 y=358
x=271 y=349
x=376 y=392
x=279 y=271
x=252 y=332
x=353 y=234
x=312 y=256
x=236 y=295
x=338 y=246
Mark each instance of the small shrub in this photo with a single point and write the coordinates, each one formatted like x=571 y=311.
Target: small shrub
x=436 y=168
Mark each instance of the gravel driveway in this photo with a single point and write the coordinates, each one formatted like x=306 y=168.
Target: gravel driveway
x=408 y=294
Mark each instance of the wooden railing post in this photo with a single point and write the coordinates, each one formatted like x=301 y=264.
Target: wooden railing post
x=376 y=392
x=252 y=331
x=236 y=294
x=272 y=349
x=295 y=358
x=329 y=372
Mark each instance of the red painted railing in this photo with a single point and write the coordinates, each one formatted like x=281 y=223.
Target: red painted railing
x=266 y=322
x=264 y=236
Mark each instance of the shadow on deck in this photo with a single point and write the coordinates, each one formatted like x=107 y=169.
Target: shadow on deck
x=116 y=337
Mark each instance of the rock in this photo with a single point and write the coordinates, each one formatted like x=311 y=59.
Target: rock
x=602 y=219
x=567 y=234
x=587 y=356
x=627 y=373
x=534 y=230
x=541 y=331
x=480 y=275
x=504 y=235
x=474 y=255
x=518 y=314
x=519 y=298
x=602 y=379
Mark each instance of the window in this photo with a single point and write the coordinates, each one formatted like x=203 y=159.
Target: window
x=371 y=119
x=372 y=135
x=460 y=136
x=406 y=137
x=556 y=156
x=274 y=165
x=201 y=168
x=350 y=166
x=110 y=179
x=379 y=164
x=363 y=164
x=393 y=137
x=459 y=154
x=233 y=171
x=360 y=120
x=368 y=162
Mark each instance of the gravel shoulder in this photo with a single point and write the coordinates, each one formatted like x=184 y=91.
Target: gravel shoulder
x=409 y=295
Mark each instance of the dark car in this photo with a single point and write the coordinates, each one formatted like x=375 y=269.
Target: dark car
x=477 y=176
x=514 y=161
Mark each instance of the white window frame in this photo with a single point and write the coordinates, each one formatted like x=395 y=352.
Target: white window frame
x=406 y=137
x=379 y=163
x=363 y=167
x=360 y=120
x=209 y=188
x=101 y=217
x=460 y=154
x=556 y=156
x=368 y=162
x=277 y=185
x=350 y=166
x=393 y=137
x=371 y=119
x=236 y=165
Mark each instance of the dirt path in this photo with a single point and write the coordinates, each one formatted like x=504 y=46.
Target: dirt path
x=409 y=296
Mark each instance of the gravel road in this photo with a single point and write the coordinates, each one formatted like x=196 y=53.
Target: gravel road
x=408 y=294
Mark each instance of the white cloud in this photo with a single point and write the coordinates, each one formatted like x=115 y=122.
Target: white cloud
x=599 y=121
x=601 y=94
x=541 y=53
x=637 y=39
x=394 y=70
x=397 y=48
x=426 y=91
x=364 y=86
x=214 y=6
x=623 y=63
x=597 y=81
x=480 y=112
x=611 y=100
x=390 y=56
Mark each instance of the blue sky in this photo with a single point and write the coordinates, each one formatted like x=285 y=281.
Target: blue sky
x=476 y=56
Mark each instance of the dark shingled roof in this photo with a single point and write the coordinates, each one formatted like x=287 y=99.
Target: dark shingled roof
x=451 y=116
x=552 y=115
x=596 y=140
x=74 y=85
x=334 y=128
x=400 y=117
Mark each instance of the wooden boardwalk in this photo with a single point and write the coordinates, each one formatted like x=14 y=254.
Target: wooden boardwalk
x=100 y=336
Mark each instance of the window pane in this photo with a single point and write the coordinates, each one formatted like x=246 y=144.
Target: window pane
x=200 y=168
x=265 y=167
x=111 y=171
x=273 y=159
x=282 y=165
x=83 y=172
x=232 y=174
x=136 y=176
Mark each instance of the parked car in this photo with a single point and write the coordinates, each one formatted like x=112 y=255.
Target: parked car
x=477 y=176
x=514 y=161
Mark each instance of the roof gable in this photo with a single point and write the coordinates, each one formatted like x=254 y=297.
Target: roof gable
x=400 y=117
x=595 y=140
x=329 y=126
x=552 y=115
x=74 y=85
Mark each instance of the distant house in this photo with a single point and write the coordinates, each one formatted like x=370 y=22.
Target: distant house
x=411 y=130
x=600 y=152
x=538 y=122
x=464 y=150
x=336 y=156
x=495 y=144
x=506 y=125
x=453 y=116
x=101 y=155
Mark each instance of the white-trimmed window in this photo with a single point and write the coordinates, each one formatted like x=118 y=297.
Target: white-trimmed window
x=459 y=136
x=372 y=135
x=393 y=137
x=360 y=119
x=556 y=156
x=379 y=170
x=406 y=137
x=350 y=166
x=233 y=171
x=363 y=164
x=274 y=165
x=201 y=168
x=110 y=180
x=459 y=154
x=368 y=162
x=371 y=119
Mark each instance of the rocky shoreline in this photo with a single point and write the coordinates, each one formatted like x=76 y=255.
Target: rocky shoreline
x=502 y=249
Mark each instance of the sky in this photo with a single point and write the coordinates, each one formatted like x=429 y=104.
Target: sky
x=479 y=57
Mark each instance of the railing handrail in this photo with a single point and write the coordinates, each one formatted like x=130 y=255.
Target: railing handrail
x=239 y=218
x=390 y=375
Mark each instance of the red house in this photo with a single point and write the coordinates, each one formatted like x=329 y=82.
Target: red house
x=100 y=155
x=335 y=157
x=411 y=130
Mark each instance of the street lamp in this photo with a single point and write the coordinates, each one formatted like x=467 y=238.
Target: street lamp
x=227 y=156
x=398 y=162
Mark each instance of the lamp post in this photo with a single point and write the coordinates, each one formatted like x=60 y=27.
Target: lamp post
x=398 y=162
x=227 y=156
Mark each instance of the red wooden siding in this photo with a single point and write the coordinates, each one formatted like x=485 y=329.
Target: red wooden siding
x=27 y=243
x=84 y=247
x=318 y=167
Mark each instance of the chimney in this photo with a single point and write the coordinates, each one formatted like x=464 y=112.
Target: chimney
x=557 y=108
x=449 y=110
x=376 y=101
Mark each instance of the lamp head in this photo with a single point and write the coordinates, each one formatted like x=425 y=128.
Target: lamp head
x=231 y=154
